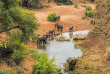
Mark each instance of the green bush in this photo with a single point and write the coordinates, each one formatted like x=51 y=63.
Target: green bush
x=32 y=3
x=13 y=48
x=15 y=71
x=17 y=56
x=88 y=8
x=66 y=2
x=43 y=65
x=76 y=5
x=89 y=13
x=51 y=17
x=92 y=0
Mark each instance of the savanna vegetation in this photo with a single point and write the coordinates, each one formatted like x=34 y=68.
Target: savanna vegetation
x=32 y=3
x=19 y=25
x=66 y=2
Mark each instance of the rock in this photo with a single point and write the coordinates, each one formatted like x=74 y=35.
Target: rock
x=66 y=39
x=62 y=38
x=79 y=36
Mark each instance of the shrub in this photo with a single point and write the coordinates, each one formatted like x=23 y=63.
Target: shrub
x=13 y=48
x=92 y=0
x=66 y=2
x=15 y=71
x=76 y=5
x=43 y=65
x=17 y=56
x=88 y=8
x=89 y=13
x=32 y=3
x=51 y=17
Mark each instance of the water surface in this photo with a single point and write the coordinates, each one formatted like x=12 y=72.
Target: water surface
x=62 y=50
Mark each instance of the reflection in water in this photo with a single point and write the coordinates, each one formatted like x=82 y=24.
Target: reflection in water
x=62 y=50
x=41 y=47
x=71 y=35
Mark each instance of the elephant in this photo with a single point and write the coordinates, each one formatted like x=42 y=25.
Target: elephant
x=57 y=18
x=42 y=40
x=72 y=62
x=51 y=32
x=71 y=28
x=60 y=27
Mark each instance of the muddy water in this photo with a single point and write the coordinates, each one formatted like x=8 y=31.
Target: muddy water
x=62 y=50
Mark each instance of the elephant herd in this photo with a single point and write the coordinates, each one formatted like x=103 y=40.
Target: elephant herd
x=43 y=39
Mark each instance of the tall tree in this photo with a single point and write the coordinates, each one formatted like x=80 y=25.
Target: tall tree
x=13 y=16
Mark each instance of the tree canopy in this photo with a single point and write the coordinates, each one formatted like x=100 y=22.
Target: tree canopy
x=13 y=16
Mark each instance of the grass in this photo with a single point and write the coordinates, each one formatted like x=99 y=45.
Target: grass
x=90 y=62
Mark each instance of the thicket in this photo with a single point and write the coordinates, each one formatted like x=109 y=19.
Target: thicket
x=66 y=2
x=43 y=65
x=14 y=17
x=13 y=48
x=32 y=3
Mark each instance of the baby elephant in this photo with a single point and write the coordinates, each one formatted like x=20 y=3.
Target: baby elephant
x=57 y=18
x=72 y=63
x=71 y=28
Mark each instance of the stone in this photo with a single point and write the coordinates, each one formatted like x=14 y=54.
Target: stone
x=79 y=36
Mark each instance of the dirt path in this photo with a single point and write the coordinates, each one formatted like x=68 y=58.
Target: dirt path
x=70 y=16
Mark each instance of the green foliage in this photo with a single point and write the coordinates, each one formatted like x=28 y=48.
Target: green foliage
x=67 y=2
x=10 y=3
x=89 y=12
x=17 y=56
x=43 y=65
x=51 y=17
x=92 y=0
x=12 y=16
x=13 y=48
x=88 y=8
x=15 y=71
x=76 y=5
x=34 y=37
x=32 y=3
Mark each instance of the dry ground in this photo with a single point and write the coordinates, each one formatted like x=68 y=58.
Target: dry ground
x=70 y=16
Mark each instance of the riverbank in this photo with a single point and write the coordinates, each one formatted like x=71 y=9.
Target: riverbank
x=92 y=60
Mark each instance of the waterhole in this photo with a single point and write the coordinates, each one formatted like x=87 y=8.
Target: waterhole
x=62 y=50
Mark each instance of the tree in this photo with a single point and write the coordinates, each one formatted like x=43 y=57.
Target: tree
x=13 y=16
